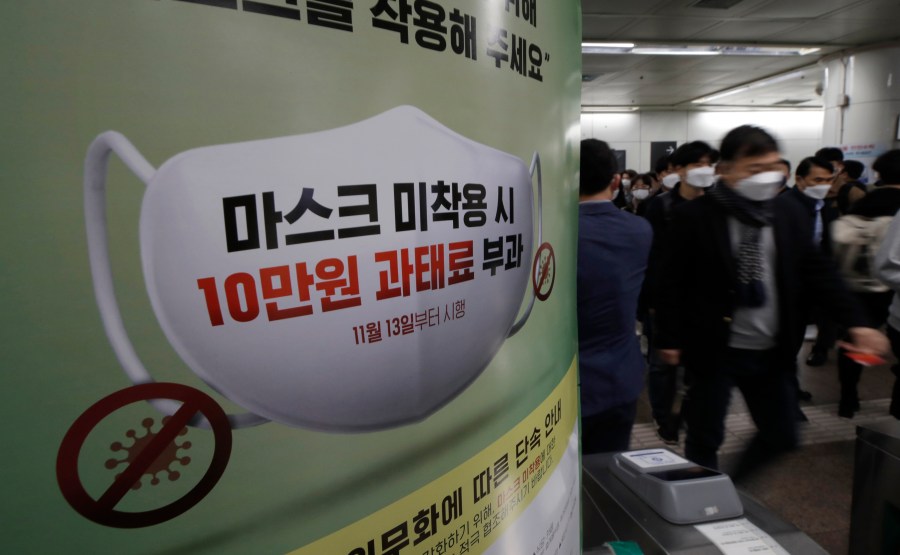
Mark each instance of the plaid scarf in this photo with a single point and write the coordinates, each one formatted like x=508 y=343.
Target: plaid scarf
x=753 y=216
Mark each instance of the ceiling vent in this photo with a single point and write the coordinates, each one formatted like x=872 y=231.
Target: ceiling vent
x=791 y=101
x=717 y=4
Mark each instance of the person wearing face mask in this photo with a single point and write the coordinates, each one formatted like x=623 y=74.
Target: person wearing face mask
x=640 y=192
x=784 y=166
x=628 y=177
x=623 y=197
x=813 y=182
x=850 y=189
x=887 y=268
x=660 y=170
x=883 y=201
x=612 y=256
x=740 y=273
x=692 y=173
x=836 y=156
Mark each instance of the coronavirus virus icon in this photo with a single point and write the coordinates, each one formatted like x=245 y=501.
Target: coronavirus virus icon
x=168 y=455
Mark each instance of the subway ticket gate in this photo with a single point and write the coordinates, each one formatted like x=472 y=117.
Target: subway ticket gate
x=875 y=516
x=612 y=509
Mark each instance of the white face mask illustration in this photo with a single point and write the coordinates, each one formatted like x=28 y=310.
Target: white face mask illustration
x=347 y=280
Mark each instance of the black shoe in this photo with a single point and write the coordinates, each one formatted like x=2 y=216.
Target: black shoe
x=803 y=395
x=847 y=409
x=817 y=358
x=667 y=433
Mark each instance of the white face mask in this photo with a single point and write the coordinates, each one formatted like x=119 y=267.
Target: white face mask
x=760 y=186
x=248 y=310
x=670 y=180
x=640 y=194
x=626 y=183
x=701 y=177
x=817 y=192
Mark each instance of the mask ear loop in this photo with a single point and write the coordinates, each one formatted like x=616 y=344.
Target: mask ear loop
x=535 y=165
x=95 y=170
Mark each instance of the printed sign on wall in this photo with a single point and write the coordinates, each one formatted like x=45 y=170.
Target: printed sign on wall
x=292 y=276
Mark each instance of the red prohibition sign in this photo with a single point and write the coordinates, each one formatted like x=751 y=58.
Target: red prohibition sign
x=540 y=271
x=102 y=510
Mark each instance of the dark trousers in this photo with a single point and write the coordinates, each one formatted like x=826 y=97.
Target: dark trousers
x=894 y=336
x=876 y=309
x=609 y=430
x=770 y=397
x=826 y=330
x=662 y=381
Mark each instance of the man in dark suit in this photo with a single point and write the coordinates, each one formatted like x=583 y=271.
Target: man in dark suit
x=740 y=272
x=814 y=180
x=613 y=247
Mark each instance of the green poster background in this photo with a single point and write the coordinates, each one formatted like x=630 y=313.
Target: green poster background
x=174 y=75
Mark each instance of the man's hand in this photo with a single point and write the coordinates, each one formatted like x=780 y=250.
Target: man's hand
x=866 y=340
x=671 y=356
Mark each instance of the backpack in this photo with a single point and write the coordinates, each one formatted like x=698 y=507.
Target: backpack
x=855 y=241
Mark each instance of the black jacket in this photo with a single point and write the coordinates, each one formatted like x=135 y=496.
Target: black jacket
x=883 y=201
x=697 y=297
x=659 y=213
x=808 y=206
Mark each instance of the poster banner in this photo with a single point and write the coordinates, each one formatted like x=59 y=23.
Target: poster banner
x=290 y=276
x=865 y=153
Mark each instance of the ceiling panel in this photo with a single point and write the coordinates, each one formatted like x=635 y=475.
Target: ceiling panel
x=598 y=98
x=667 y=80
x=747 y=30
x=596 y=27
x=868 y=36
x=638 y=77
x=668 y=63
x=827 y=30
x=771 y=64
x=876 y=10
x=688 y=8
x=610 y=88
x=635 y=7
x=664 y=29
x=802 y=8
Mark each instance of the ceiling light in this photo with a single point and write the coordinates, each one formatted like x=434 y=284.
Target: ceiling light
x=618 y=109
x=751 y=86
x=673 y=51
x=600 y=47
x=606 y=47
x=720 y=95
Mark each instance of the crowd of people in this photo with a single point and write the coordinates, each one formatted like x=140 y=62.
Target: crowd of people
x=724 y=263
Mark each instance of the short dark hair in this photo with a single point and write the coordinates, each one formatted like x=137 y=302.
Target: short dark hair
x=646 y=179
x=598 y=166
x=888 y=167
x=854 y=168
x=809 y=163
x=830 y=153
x=691 y=153
x=662 y=164
x=631 y=174
x=786 y=162
x=747 y=140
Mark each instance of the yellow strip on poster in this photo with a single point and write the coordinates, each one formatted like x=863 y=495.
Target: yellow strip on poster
x=467 y=509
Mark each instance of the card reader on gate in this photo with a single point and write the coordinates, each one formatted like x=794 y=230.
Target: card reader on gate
x=679 y=490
